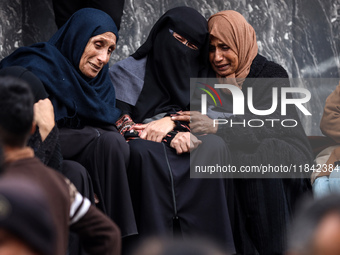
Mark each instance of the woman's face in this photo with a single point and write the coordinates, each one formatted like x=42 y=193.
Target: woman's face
x=97 y=54
x=223 y=60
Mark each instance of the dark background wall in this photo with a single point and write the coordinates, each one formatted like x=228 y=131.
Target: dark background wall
x=301 y=35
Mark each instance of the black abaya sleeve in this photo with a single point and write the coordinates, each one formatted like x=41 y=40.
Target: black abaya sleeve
x=48 y=151
x=124 y=107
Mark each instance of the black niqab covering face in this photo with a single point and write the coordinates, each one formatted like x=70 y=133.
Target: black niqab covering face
x=170 y=63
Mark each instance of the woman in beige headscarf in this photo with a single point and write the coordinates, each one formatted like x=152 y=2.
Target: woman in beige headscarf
x=233 y=48
x=263 y=206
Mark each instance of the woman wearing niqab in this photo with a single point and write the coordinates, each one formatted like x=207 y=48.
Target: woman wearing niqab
x=85 y=107
x=152 y=85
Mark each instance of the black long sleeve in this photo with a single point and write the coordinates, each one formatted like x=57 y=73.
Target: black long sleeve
x=48 y=151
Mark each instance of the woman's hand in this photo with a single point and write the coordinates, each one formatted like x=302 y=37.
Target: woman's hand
x=199 y=123
x=156 y=130
x=44 y=117
x=184 y=142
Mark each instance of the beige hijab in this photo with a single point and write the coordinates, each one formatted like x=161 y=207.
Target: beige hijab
x=233 y=30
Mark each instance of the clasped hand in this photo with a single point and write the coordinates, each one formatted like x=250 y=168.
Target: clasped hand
x=199 y=123
x=156 y=130
x=184 y=142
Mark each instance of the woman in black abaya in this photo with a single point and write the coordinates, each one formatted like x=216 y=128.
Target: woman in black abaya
x=265 y=203
x=73 y=66
x=151 y=86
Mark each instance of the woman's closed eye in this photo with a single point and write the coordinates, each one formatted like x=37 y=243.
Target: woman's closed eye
x=225 y=47
x=222 y=47
x=99 y=45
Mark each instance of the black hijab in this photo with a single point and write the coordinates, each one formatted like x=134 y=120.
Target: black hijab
x=33 y=81
x=76 y=98
x=171 y=64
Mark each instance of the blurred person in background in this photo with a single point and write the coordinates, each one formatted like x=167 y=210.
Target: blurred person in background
x=316 y=228
x=26 y=225
x=69 y=209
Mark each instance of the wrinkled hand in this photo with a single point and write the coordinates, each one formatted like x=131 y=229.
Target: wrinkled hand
x=184 y=142
x=199 y=123
x=156 y=130
x=44 y=117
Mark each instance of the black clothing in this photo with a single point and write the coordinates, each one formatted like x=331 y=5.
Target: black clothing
x=263 y=77
x=170 y=63
x=33 y=81
x=265 y=206
x=165 y=198
x=80 y=101
x=48 y=151
x=63 y=9
x=105 y=155
x=163 y=193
